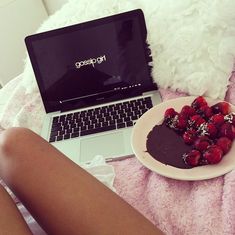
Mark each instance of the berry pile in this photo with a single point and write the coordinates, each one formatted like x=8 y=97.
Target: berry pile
x=209 y=129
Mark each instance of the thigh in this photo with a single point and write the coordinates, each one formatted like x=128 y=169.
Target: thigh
x=61 y=196
x=11 y=221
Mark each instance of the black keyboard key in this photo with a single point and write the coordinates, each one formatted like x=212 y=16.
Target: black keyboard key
x=75 y=134
x=54 y=133
x=60 y=137
x=52 y=139
x=129 y=123
x=121 y=125
x=98 y=130
x=67 y=136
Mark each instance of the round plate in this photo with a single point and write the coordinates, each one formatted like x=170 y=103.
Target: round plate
x=154 y=116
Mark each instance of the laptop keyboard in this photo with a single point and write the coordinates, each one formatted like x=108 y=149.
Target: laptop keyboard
x=96 y=120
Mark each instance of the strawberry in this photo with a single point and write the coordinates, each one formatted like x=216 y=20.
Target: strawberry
x=213 y=154
x=211 y=130
x=217 y=119
x=221 y=107
x=187 y=111
x=202 y=143
x=205 y=112
x=198 y=102
x=227 y=130
x=224 y=143
x=196 y=120
x=189 y=136
x=192 y=158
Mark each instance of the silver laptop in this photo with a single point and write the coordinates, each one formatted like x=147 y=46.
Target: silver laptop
x=95 y=82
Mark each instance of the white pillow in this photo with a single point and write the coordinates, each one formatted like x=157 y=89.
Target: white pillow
x=192 y=42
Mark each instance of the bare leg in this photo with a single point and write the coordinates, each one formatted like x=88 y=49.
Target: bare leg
x=11 y=221
x=61 y=196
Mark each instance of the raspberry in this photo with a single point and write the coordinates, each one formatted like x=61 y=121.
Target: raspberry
x=192 y=158
x=198 y=102
x=227 y=130
x=224 y=143
x=213 y=154
x=221 y=107
x=202 y=143
x=196 y=120
x=189 y=136
x=217 y=119
x=187 y=111
x=205 y=112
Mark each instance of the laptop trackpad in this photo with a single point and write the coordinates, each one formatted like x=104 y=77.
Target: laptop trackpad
x=111 y=144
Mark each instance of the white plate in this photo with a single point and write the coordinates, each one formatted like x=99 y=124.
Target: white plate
x=151 y=118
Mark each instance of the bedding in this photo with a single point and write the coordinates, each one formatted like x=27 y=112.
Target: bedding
x=185 y=62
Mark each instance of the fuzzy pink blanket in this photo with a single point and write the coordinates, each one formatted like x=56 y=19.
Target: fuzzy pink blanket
x=176 y=207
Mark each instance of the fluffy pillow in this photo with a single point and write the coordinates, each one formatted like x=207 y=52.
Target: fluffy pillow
x=192 y=42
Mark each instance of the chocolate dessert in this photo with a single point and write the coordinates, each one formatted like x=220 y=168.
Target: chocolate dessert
x=166 y=146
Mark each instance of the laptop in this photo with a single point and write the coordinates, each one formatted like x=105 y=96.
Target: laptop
x=95 y=82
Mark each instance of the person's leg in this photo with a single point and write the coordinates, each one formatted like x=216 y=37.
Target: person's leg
x=11 y=221
x=61 y=196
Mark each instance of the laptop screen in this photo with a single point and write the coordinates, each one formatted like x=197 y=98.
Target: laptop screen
x=91 y=60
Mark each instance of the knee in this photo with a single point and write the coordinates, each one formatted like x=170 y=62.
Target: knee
x=14 y=139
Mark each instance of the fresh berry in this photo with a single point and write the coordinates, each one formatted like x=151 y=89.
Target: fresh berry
x=202 y=143
x=205 y=112
x=224 y=143
x=199 y=102
x=187 y=111
x=211 y=130
x=196 y=121
x=213 y=154
x=192 y=158
x=181 y=123
x=217 y=119
x=170 y=113
x=189 y=136
x=221 y=107
x=227 y=130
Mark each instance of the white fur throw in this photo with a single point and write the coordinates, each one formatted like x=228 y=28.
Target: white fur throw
x=192 y=41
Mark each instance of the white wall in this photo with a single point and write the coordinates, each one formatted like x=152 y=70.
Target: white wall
x=18 y=18
x=53 y=5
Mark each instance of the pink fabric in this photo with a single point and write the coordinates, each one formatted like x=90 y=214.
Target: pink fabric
x=176 y=207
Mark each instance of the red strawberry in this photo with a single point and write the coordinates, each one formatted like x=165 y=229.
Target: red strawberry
x=211 y=130
x=224 y=143
x=181 y=123
x=227 y=130
x=221 y=107
x=217 y=119
x=192 y=158
x=205 y=111
x=213 y=154
x=187 y=111
x=189 y=136
x=199 y=102
x=170 y=113
x=196 y=120
x=202 y=143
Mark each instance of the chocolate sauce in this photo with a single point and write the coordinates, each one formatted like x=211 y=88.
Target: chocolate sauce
x=166 y=146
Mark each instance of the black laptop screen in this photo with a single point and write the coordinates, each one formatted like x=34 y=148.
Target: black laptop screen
x=90 y=59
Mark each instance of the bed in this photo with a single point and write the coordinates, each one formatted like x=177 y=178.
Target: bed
x=203 y=207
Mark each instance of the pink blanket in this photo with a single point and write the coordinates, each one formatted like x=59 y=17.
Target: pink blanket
x=176 y=207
